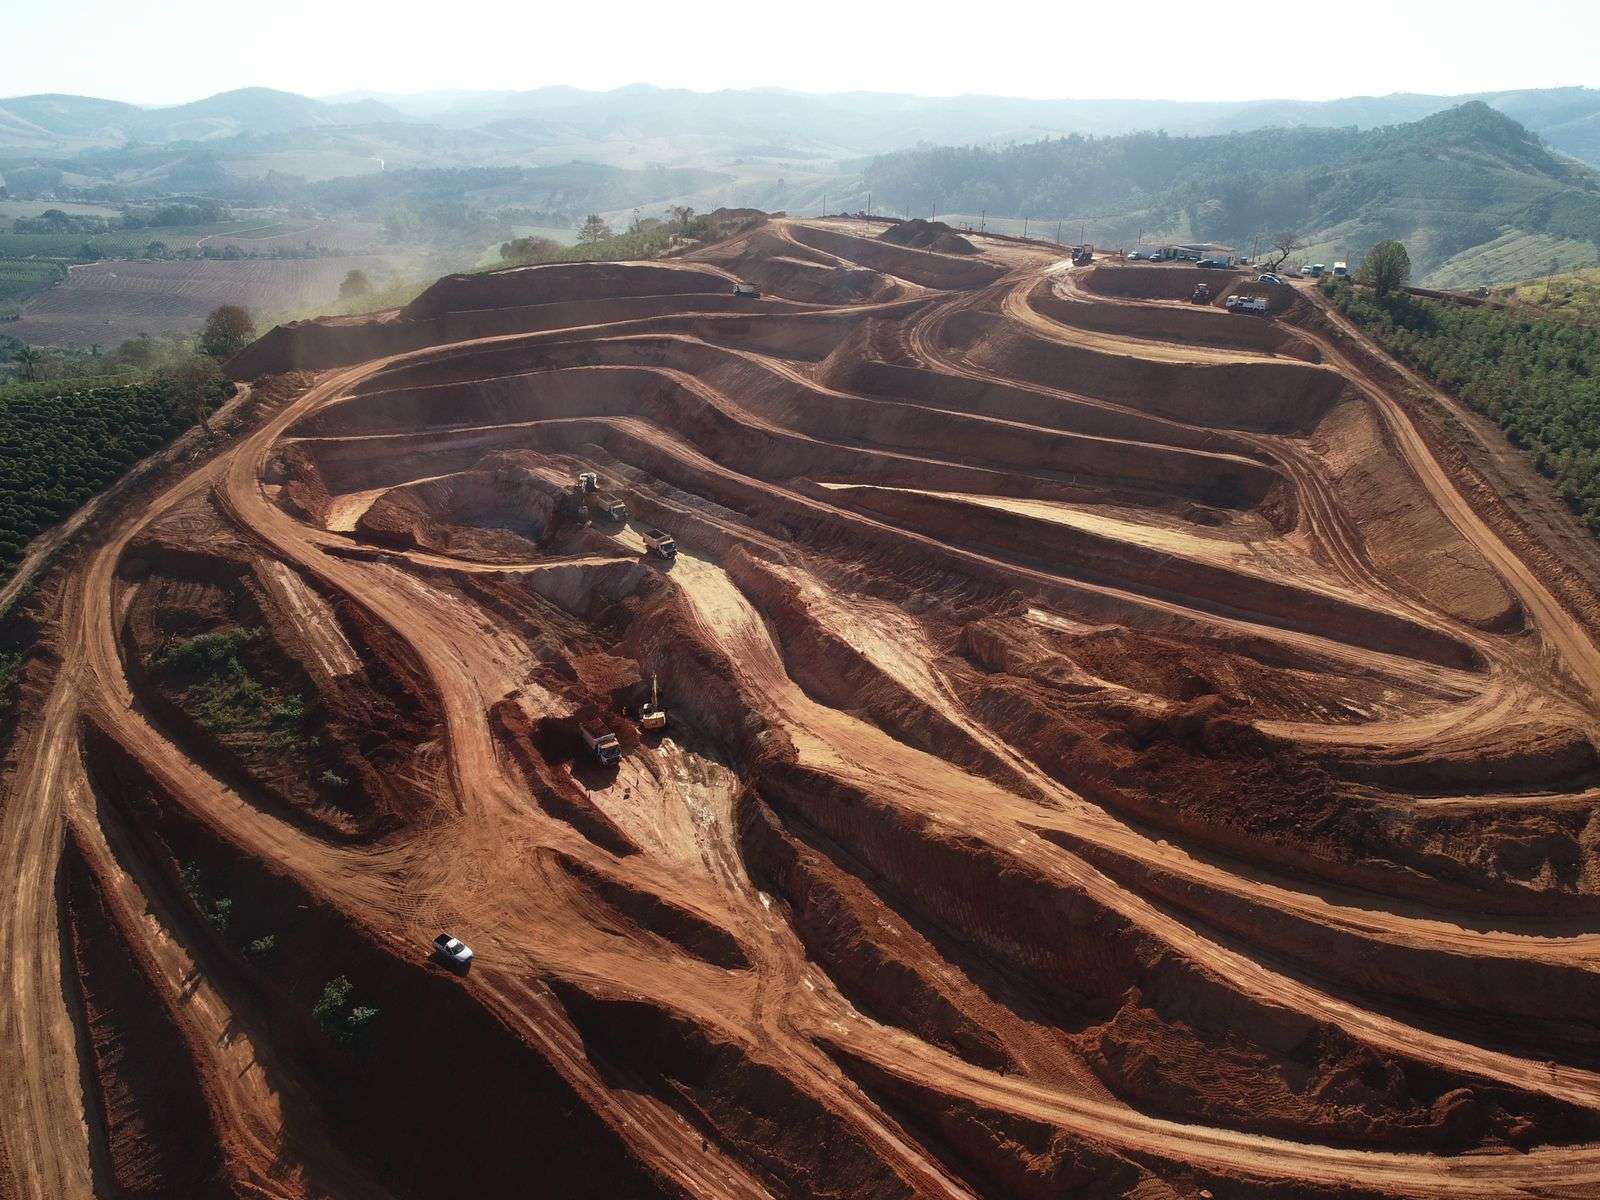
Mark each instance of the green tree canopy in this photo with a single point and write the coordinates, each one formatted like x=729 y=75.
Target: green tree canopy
x=530 y=249
x=593 y=229
x=228 y=330
x=1386 y=268
x=355 y=285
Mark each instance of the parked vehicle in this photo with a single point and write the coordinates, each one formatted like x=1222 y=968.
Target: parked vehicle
x=1202 y=294
x=1306 y=271
x=1269 y=277
x=1340 y=270
x=1251 y=305
x=1214 y=263
x=1136 y=256
x=746 y=292
x=1317 y=270
x=453 y=951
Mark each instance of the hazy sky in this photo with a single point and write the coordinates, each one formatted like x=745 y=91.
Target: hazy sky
x=174 y=50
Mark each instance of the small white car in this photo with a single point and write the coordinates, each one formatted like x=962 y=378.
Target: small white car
x=453 y=951
x=1268 y=277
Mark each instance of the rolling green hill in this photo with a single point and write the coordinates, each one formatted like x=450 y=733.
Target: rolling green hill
x=1475 y=196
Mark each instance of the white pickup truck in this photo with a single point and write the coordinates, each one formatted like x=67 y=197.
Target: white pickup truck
x=453 y=951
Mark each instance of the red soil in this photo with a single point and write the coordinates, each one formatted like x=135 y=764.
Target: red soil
x=1108 y=754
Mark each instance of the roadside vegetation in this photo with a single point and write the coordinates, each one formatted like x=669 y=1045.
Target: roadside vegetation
x=1536 y=375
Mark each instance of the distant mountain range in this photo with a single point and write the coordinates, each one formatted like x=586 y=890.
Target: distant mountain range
x=1473 y=194
x=1486 y=190
x=691 y=128
x=55 y=126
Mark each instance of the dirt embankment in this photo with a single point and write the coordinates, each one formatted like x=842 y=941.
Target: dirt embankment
x=922 y=267
x=1269 y=397
x=1158 y=282
x=146 y=1101
x=927 y=235
x=1156 y=1028
x=1200 y=325
x=513 y=1124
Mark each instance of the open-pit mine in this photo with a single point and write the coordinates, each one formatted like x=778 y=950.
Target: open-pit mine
x=954 y=723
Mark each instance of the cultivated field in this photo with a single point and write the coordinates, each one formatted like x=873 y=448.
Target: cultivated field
x=1115 y=749
x=108 y=301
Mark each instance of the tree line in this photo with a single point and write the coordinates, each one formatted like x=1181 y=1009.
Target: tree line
x=1537 y=376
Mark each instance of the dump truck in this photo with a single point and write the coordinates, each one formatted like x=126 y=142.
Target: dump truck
x=659 y=543
x=1250 y=305
x=1202 y=294
x=601 y=741
x=1082 y=255
x=609 y=505
x=651 y=714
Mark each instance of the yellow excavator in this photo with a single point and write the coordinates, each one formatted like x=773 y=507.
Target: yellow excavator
x=651 y=714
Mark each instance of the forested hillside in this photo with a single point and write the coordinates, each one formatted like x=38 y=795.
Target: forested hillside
x=1537 y=376
x=1471 y=192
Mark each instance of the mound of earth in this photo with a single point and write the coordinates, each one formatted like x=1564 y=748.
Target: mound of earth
x=927 y=235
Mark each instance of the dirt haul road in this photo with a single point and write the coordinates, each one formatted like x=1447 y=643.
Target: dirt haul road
x=1108 y=755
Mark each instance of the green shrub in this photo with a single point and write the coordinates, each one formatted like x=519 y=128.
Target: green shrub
x=345 y=1023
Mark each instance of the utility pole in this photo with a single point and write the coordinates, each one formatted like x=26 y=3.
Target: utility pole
x=869 y=204
x=1058 y=231
x=1024 y=228
x=983 y=220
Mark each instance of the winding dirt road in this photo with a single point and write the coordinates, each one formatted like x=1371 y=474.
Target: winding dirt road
x=1108 y=756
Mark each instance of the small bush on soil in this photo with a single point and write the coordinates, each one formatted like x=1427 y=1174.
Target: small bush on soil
x=217 y=910
x=262 y=946
x=224 y=696
x=346 y=1024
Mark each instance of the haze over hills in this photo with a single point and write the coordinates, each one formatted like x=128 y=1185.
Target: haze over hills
x=53 y=126
x=772 y=121
x=1473 y=194
x=1483 y=192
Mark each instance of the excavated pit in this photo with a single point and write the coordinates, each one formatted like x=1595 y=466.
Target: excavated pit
x=1101 y=751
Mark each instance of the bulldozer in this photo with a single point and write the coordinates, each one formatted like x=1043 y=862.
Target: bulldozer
x=651 y=715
